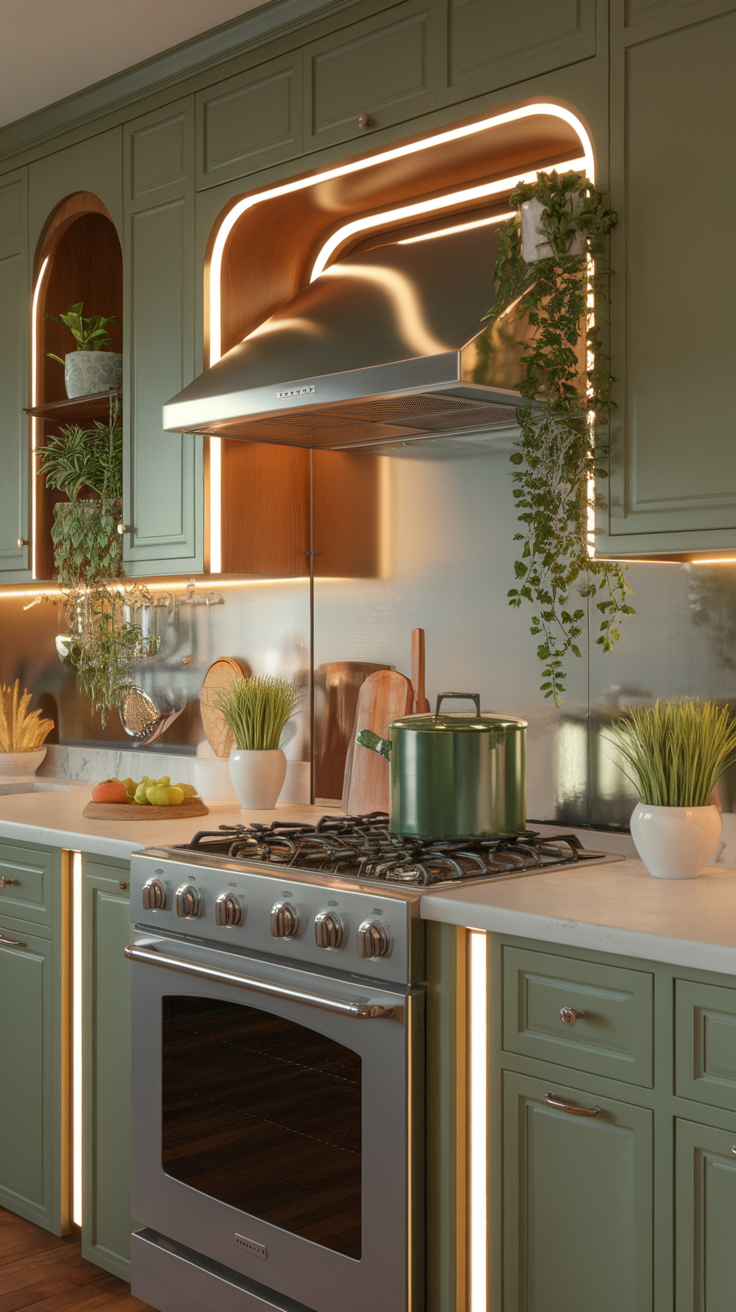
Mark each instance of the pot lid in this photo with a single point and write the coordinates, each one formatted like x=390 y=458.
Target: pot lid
x=459 y=721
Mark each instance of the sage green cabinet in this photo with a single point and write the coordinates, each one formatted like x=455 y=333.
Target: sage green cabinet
x=705 y=1043
x=673 y=333
x=493 y=45
x=250 y=121
x=106 y=1219
x=34 y=997
x=577 y=1201
x=706 y=1218
x=163 y=472
x=14 y=429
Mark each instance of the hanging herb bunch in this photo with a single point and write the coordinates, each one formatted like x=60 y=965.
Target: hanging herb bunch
x=551 y=260
x=86 y=464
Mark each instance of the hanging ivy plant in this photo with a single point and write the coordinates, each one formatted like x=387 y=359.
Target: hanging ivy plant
x=556 y=272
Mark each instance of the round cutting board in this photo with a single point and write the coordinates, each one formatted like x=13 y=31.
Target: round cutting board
x=219 y=676
x=191 y=806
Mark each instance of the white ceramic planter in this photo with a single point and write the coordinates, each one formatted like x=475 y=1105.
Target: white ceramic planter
x=92 y=371
x=257 y=778
x=675 y=842
x=20 y=765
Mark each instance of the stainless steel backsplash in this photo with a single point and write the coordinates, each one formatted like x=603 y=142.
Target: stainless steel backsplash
x=446 y=549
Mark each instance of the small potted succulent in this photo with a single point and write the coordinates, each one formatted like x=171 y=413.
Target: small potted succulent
x=674 y=753
x=257 y=709
x=21 y=735
x=92 y=367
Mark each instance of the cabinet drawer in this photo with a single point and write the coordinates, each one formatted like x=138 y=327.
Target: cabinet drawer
x=389 y=67
x=611 y=1034
x=705 y=1043
x=27 y=893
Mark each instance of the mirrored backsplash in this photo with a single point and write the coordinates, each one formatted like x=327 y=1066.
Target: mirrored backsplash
x=446 y=527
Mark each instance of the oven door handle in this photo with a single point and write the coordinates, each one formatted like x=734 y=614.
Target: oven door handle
x=360 y=1010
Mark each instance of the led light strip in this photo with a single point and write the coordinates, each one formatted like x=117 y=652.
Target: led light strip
x=457 y=227
x=34 y=421
x=478 y=1123
x=77 y=1038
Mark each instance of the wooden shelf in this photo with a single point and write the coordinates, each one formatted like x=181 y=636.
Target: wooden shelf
x=96 y=405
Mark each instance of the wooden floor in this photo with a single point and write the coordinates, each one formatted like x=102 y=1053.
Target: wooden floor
x=40 y=1273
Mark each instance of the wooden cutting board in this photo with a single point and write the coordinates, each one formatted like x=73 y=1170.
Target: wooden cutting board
x=382 y=698
x=220 y=675
x=126 y=811
x=337 y=685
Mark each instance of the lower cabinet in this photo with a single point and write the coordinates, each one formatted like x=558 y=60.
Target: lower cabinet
x=34 y=994
x=106 y=1220
x=577 y=1200
x=705 y=1191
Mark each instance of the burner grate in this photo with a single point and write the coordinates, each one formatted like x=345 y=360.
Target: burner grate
x=361 y=847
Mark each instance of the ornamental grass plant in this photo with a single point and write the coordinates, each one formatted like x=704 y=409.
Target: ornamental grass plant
x=676 y=751
x=256 y=709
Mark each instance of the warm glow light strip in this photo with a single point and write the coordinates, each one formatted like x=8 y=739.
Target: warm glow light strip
x=215 y=505
x=457 y=227
x=34 y=401
x=77 y=1038
x=438 y=203
x=705 y=560
x=478 y=1121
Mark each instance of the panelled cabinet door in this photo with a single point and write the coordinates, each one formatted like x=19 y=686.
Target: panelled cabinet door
x=577 y=1202
x=14 y=427
x=493 y=45
x=106 y=1222
x=250 y=121
x=163 y=474
x=673 y=431
x=705 y=1184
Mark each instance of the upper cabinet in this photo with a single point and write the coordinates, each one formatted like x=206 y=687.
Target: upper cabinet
x=163 y=475
x=14 y=440
x=493 y=45
x=672 y=488
x=250 y=121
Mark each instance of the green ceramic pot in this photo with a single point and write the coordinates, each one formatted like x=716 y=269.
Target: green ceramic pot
x=455 y=775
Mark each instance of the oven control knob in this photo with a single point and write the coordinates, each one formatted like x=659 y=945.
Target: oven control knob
x=228 y=910
x=328 y=930
x=284 y=921
x=373 y=940
x=155 y=896
x=188 y=902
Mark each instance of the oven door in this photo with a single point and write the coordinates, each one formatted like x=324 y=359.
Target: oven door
x=274 y=1111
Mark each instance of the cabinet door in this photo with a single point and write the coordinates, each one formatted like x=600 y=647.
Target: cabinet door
x=34 y=1174
x=494 y=45
x=673 y=454
x=250 y=121
x=106 y=1220
x=14 y=428
x=705 y=1183
x=577 y=1202
x=163 y=474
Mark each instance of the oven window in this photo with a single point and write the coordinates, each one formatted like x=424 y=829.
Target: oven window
x=264 y=1115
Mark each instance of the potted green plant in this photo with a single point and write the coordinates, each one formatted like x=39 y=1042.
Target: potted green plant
x=257 y=709
x=92 y=367
x=674 y=753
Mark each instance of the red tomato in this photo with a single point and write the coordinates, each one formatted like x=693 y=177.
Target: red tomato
x=110 y=791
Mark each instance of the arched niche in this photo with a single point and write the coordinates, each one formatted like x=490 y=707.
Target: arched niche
x=78 y=258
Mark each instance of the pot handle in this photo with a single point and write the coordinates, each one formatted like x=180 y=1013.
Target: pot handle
x=465 y=696
x=367 y=738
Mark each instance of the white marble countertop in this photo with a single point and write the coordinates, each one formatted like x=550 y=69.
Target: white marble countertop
x=616 y=908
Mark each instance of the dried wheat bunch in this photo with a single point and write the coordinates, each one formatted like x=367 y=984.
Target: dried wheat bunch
x=20 y=732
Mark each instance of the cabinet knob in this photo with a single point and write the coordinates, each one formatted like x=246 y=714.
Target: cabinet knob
x=123 y=528
x=284 y=921
x=365 y=121
x=22 y=542
x=569 y=1015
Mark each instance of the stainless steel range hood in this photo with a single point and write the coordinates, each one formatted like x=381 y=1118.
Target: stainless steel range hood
x=387 y=346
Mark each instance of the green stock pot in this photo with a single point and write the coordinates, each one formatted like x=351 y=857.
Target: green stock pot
x=459 y=775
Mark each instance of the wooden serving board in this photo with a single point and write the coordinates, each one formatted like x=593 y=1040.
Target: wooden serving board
x=382 y=698
x=191 y=806
x=219 y=676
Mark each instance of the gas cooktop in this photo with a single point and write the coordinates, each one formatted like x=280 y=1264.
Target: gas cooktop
x=361 y=848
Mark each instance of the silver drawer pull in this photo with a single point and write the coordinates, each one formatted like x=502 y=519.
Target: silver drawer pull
x=4 y=881
x=361 y=1010
x=569 y=1015
x=553 y=1101
x=12 y=942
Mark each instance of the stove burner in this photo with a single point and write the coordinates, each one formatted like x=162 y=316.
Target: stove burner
x=361 y=847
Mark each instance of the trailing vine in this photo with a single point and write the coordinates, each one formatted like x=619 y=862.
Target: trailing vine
x=566 y=383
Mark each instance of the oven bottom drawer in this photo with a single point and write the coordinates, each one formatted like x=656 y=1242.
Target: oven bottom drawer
x=173 y=1278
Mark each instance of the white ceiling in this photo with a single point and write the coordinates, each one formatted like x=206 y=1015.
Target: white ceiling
x=51 y=48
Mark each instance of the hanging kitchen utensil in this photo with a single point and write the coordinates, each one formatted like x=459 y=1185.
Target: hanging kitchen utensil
x=419 y=704
x=383 y=697
x=142 y=719
x=219 y=676
x=454 y=775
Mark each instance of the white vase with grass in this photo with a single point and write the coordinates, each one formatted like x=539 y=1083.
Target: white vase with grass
x=256 y=710
x=675 y=752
